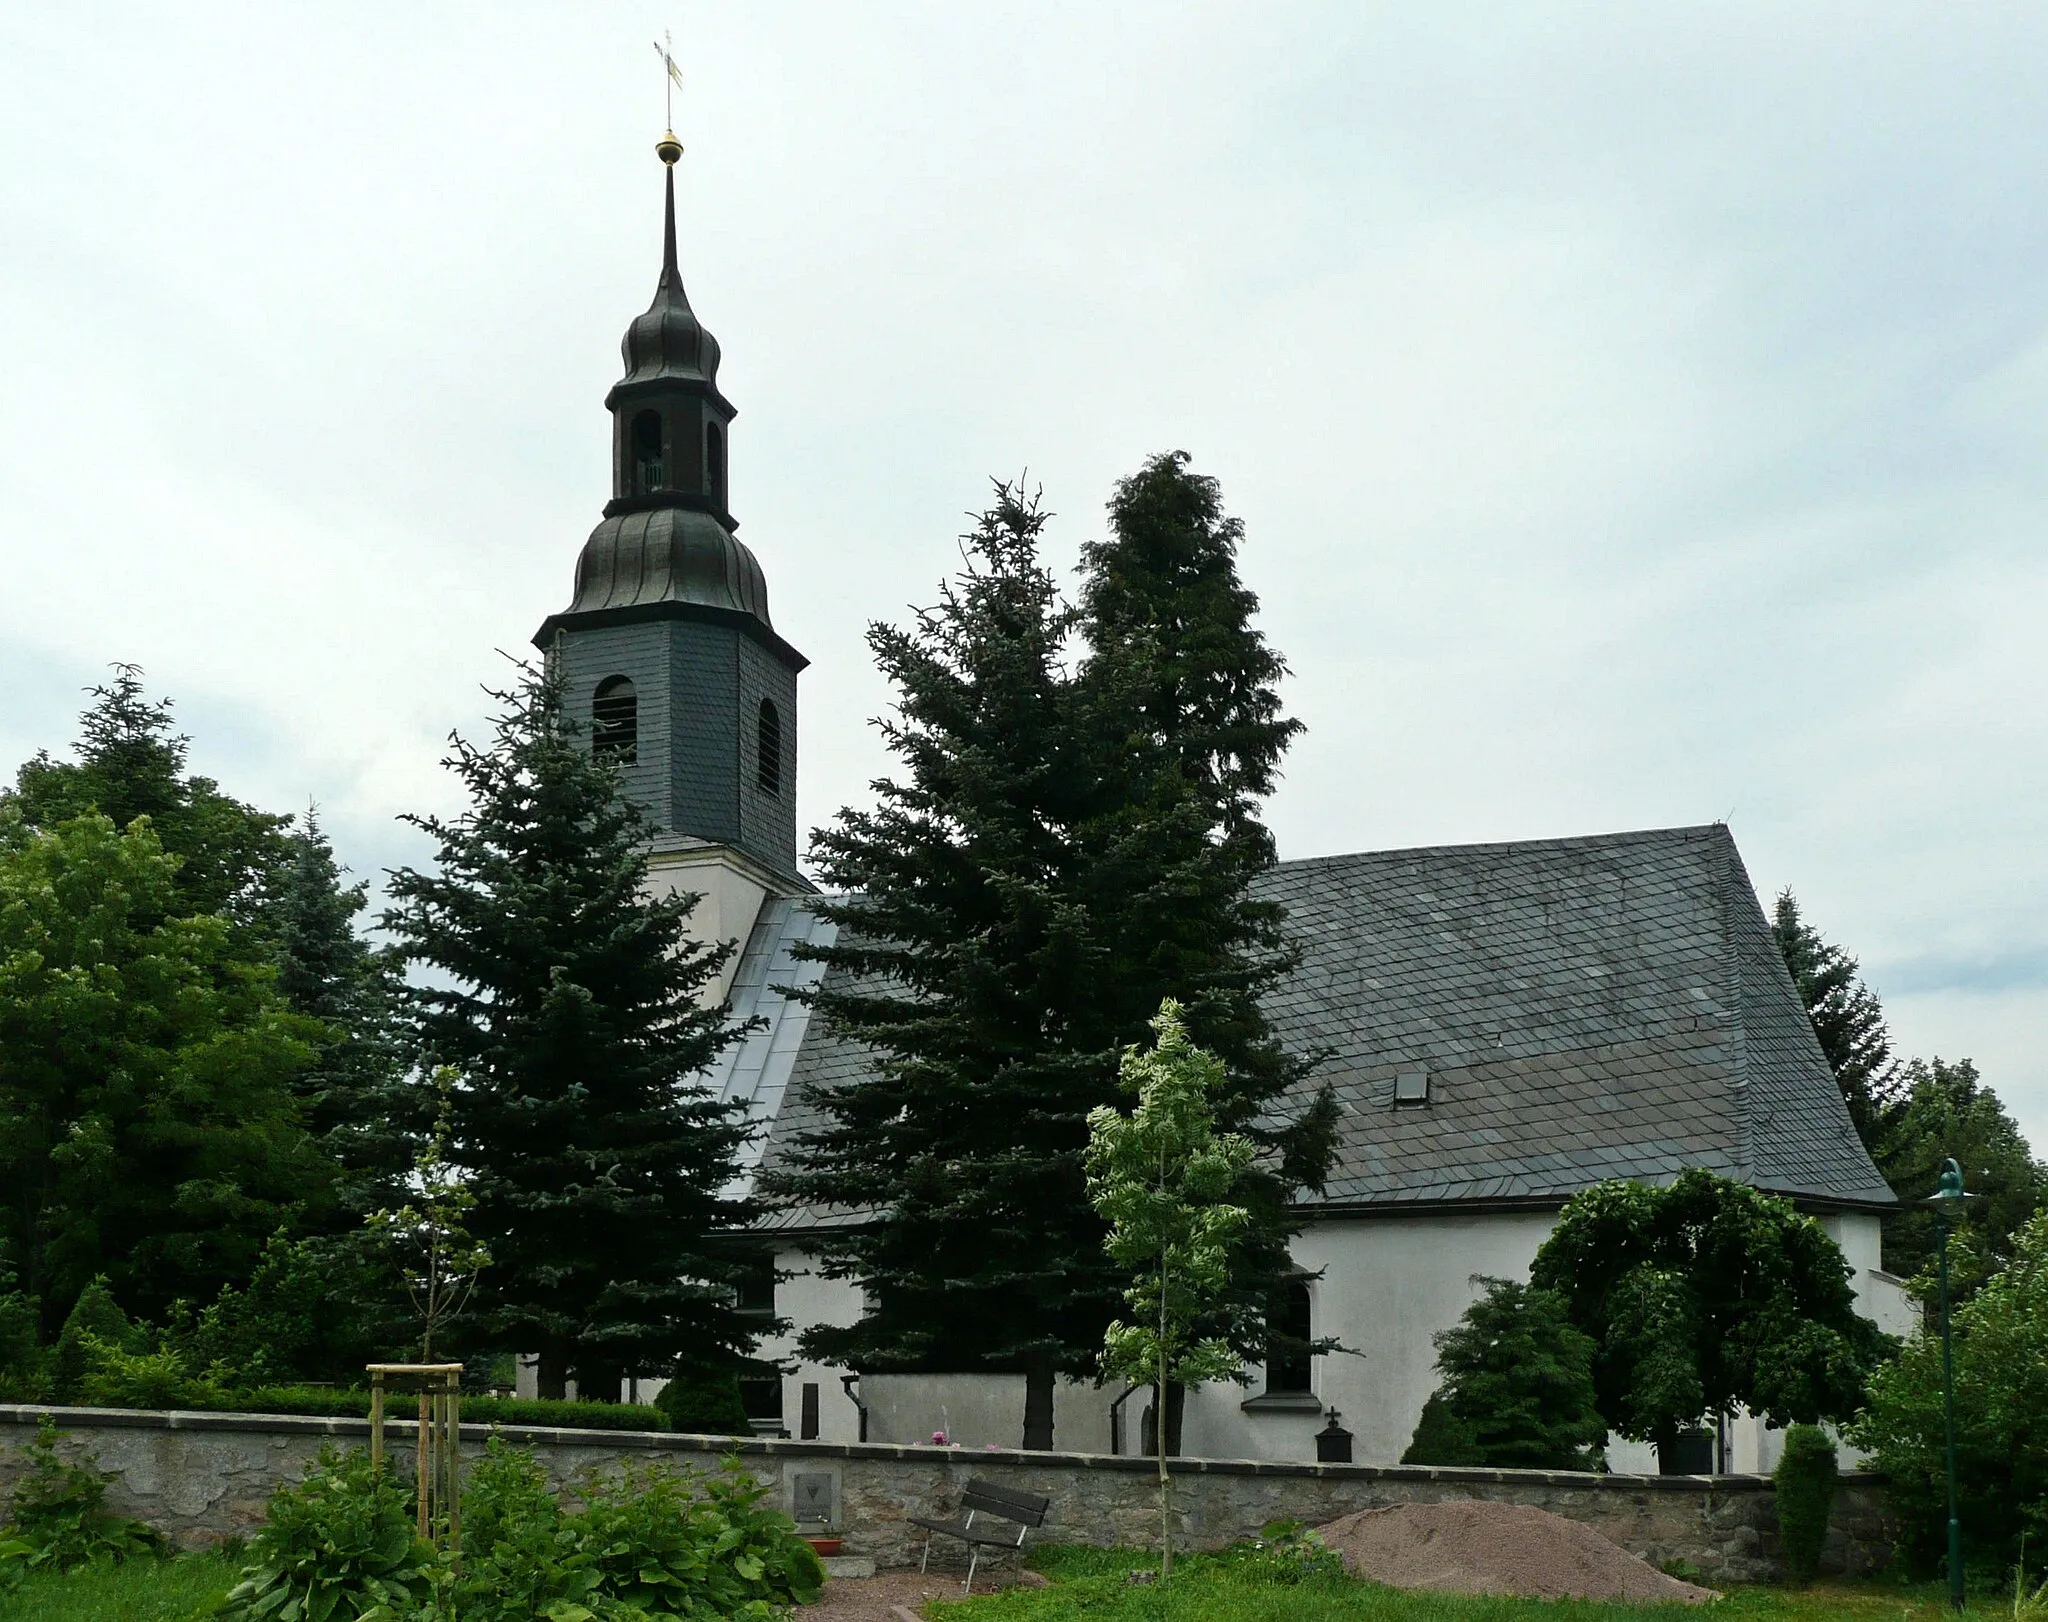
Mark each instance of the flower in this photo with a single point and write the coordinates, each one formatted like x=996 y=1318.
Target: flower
x=938 y=1438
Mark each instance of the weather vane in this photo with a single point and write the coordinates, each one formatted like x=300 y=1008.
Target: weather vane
x=667 y=53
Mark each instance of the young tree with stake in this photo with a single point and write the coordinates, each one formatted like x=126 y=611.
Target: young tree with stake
x=1162 y=1178
x=438 y=1260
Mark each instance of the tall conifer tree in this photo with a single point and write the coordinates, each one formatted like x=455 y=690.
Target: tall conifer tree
x=357 y=1099
x=1063 y=850
x=1848 y=1020
x=570 y=1010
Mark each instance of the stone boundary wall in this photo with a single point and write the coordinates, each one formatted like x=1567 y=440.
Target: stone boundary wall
x=203 y=1477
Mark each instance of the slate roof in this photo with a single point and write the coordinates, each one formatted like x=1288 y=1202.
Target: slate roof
x=1612 y=1006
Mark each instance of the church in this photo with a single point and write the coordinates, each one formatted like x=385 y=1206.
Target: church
x=1505 y=1024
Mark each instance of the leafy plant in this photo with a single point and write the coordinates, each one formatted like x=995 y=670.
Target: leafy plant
x=429 y=1235
x=2001 y=1417
x=1284 y=1552
x=1706 y=1296
x=1162 y=1178
x=60 y=1521
x=335 y=1545
x=1806 y=1498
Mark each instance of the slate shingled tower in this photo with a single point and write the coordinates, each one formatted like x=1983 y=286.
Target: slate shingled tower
x=666 y=651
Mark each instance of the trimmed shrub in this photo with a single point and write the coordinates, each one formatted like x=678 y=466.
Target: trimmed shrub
x=704 y=1403
x=1806 y=1498
x=1517 y=1388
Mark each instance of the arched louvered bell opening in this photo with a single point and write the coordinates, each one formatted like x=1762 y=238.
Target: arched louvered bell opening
x=650 y=468
x=615 y=722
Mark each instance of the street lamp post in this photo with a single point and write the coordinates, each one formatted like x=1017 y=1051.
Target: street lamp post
x=1947 y=1197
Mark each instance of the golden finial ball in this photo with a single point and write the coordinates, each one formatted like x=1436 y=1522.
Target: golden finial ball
x=668 y=148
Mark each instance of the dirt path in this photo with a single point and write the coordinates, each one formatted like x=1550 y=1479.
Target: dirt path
x=877 y=1598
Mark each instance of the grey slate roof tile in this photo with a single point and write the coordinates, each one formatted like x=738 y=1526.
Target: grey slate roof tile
x=1556 y=991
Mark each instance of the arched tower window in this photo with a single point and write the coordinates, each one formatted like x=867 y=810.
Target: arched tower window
x=650 y=471
x=615 y=721
x=714 y=462
x=768 y=750
x=1290 y=1327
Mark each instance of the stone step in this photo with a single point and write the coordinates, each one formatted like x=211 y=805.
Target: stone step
x=849 y=1565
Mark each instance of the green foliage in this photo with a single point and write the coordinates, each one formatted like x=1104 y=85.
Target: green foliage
x=359 y=1102
x=1706 y=1296
x=58 y=1518
x=1061 y=849
x=1517 y=1389
x=96 y=1324
x=147 y=1127
x=1949 y=1111
x=1284 y=1553
x=24 y=1367
x=1847 y=1019
x=1161 y=1178
x=334 y=1545
x=566 y=997
x=704 y=1402
x=316 y=1308
x=428 y=1237
x=229 y=857
x=158 y=1378
x=1806 y=1498
x=2001 y=1417
x=646 y=1545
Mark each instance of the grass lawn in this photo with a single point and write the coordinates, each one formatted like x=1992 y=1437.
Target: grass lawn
x=1089 y=1586
x=178 y=1590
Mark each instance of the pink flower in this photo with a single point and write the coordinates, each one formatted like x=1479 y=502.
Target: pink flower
x=938 y=1438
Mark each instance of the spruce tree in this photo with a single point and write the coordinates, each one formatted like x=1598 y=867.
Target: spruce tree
x=358 y=1103
x=1179 y=700
x=962 y=946
x=1063 y=850
x=566 y=998
x=1517 y=1389
x=1848 y=1020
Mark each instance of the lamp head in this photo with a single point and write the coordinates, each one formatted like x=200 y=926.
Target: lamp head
x=1949 y=1191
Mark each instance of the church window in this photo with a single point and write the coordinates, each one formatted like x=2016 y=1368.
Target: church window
x=768 y=748
x=615 y=721
x=714 y=462
x=650 y=472
x=1290 y=1329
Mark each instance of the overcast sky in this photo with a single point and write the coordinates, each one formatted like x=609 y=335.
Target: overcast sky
x=1638 y=413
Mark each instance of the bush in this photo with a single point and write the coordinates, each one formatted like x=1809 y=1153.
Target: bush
x=1806 y=1498
x=96 y=1320
x=338 y=1543
x=2001 y=1419
x=59 y=1521
x=704 y=1402
x=1517 y=1388
x=115 y=1378
x=24 y=1367
x=654 y=1544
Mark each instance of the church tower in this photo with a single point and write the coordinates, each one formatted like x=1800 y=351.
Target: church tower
x=666 y=653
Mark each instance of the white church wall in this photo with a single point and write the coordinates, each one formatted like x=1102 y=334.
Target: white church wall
x=730 y=900
x=1388 y=1286
x=806 y=1298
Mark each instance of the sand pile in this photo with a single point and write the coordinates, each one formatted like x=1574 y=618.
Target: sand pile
x=1468 y=1546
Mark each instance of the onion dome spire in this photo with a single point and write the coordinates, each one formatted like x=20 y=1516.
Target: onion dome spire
x=667 y=341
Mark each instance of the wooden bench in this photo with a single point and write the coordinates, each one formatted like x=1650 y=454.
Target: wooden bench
x=984 y=1501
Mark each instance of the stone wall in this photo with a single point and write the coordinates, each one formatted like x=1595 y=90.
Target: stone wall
x=204 y=1477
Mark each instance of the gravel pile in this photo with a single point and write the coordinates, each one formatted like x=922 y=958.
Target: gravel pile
x=1470 y=1546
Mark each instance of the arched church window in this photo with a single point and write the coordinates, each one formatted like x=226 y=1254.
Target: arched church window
x=1290 y=1327
x=768 y=749
x=650 y=472
x=714 y=462
x=615 y=721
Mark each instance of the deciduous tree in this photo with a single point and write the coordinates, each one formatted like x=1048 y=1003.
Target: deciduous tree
x=1704 y=1297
